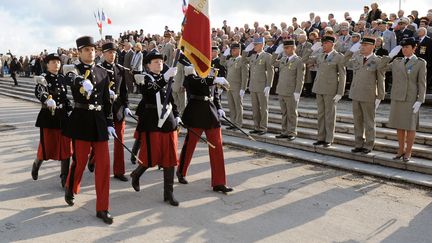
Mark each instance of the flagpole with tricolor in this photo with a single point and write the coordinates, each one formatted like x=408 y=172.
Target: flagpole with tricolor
x=196 y=39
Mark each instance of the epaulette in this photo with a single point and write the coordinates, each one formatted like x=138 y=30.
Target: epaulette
x=70 y=69
x=41 y=80
x=421 y=59
x=100 y=66
x=122 y=67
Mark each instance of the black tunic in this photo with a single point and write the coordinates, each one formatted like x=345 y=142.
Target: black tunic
x=85 y=124
x=116 y=76
x=147 y=111
x=198 y=112
x=56 y=87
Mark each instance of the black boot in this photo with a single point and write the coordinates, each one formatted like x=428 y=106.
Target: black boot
x=181 y=178
x=135 y=150
x=105 y=216
x=136 y=174
x=69 y=197
x=64 y=171
x=169 y=186
x=35 y=169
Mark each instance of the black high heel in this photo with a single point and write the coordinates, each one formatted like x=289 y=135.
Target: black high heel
x=398 y=157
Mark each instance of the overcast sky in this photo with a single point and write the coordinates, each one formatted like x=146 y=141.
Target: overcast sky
x=28 y=27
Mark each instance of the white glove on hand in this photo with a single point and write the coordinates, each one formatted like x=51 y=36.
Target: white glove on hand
x=139 y=79
x=69 y=113
x=297 y=97
x=279 y=49
x=87 y=85
x=337 y=98
x=172 y=71
x=250 y=47
x=189 y=70
x=111 y=132
x=267 y=91
x=227 y=52
x=178 y=120
x=112 y=94
x=51 y=103
x=220 y=81
x=416 y=106
x=242 y=92
x=377 y=103
x=221 y=113
x=127 y=112
x=395 y=51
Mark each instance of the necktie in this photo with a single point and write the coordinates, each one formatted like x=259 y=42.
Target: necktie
x=325 y=57
x=406 y=60
x=364 y=60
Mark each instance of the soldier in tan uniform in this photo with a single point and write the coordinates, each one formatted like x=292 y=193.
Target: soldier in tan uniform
x=367 y=90
x=168 y=49
x=407 y=94
x=178 y=91
x=329 y=87
x=290 y=85
x=237 y=76
x=261 y=79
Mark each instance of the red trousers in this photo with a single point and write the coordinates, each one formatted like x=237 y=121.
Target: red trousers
x=158 y=148
x=53 y=145
x=119 y=163
x=217 y=163
x=102 y=170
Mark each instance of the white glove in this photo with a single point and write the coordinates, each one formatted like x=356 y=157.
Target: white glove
x=395 y=51
x=112 y=94
x=355 y=48
x=280 y=49
x=139 y=79
x=69 y=113
x=51 y=103
x=111 y=132
x=172 y=71
x=178 y=120
x=297 y=97
x=189 y=70
x=337 y=98
x=127 y=112
x=250 y=47
x=377 y=103
x=220 y=81
x=267 y=91
x=221 y=113
x=242 y=92
x=227 y=52
x=416 y=106
x=87 y=85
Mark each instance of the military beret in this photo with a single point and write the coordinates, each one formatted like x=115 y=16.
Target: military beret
x=411 y=41
x=328 y=38
x=368 y=40
x=84 y=41
x=109 y=46
x=289 y=43
x=52 y=56
x=259 y=40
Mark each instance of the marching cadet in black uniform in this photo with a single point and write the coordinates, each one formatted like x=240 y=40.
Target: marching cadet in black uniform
x=202 y=114
x=158 y=137
x=89 y=125
x=120 y=105
x=51 y=91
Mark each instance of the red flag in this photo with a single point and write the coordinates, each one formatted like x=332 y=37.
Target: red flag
x=196 y=39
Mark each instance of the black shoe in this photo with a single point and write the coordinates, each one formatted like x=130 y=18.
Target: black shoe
x=169 y=186
x=222 y=188
x=136 y=174
x=91 y=166
x=406 y=159
x=69 y=197
x=357 y=150
x=366 y=151
x=121 y=177
x=105 y=216
x=398 y=157
x=261 y=133
x=35 y=169
x=181 y=178
x=281 y=136
x=254 y=131
x=318 y=143
x=291 y=138
x=326 y=145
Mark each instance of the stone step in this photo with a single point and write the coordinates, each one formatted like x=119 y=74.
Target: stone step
x=341 y=151
x=382 y=145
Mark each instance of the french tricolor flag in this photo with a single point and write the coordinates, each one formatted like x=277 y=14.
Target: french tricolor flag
x=106 y=18
x=184 y=7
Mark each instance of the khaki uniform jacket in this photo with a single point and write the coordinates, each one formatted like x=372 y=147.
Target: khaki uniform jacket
x=261 y=70
x=178 y=78
x=304 y=50
x=331 y=75
x=291 y=75
x=237 y=72
x=168 y=53
x=368 y=79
